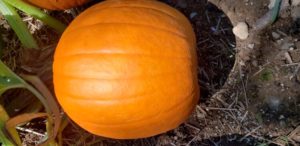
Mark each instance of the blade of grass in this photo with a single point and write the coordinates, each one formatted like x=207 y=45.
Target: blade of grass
x=38 y=14
x=17 y=25
x=3 y=118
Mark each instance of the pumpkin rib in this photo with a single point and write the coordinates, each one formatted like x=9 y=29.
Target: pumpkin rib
x=135 y=7
x=173 y=14
x=132 y=97
x=132 y=24
x=130 y=78
x=88 y=97
x=99 y=100
x=177 y=105
x=138 y=7
x=105 y=100
x=118 y=54
x=143 y=6
x=84 y=79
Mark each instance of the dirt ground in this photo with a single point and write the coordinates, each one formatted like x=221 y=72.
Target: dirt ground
x=250 y=89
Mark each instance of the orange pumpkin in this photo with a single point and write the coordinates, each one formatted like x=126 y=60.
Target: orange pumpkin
x=57 y=4
x=127 y=69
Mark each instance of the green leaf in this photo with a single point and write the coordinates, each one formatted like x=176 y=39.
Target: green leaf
x=38 y=14
x=8 y=80
x=17 y=25
x=3 y=118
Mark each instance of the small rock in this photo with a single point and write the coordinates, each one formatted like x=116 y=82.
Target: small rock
x=282 y=123
x=288 y=57
x=255 y=63
x=241 y=30
x=275 y=35
x=250 y=46
x=242 y=63
x=273 y=102
x=295 y=2
x=281 y=117
x=295 y=55
x=193 y=14
x=285 y=43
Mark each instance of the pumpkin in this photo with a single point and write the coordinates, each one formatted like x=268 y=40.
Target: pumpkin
x=127 y=69
x=57 y=4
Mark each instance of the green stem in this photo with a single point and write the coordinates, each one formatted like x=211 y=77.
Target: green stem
x=18 y=25
x=38 y=14
x=275 y=10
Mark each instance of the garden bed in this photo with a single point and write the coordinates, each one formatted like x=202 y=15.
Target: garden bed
x=250 y=88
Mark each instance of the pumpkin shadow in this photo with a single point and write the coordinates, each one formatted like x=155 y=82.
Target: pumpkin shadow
x=215 y=44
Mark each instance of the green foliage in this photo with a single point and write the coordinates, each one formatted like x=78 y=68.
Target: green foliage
x=17 y=25
x=263 y=144
x=266 y=75
x=7 y=8
x=9 y=80
x=38 y=14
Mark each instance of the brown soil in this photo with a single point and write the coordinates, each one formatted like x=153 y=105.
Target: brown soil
x=259 y=102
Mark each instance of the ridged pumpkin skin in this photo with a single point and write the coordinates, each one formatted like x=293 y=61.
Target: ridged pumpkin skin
x=127 y=69
x=57 y=4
